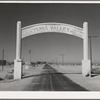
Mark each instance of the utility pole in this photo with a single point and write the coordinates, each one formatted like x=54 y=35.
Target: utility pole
x=62 y=55
x=91 y=58
x=2 y=59
x=57 y=63
x=30 y=56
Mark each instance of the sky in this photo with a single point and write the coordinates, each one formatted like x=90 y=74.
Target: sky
x=49 y=46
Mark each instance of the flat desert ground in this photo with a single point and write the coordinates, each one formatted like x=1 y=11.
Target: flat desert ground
x=72 y=72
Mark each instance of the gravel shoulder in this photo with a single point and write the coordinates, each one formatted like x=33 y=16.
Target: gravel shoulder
x=20 y=85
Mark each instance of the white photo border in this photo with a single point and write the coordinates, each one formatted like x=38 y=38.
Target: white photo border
x=50 y=95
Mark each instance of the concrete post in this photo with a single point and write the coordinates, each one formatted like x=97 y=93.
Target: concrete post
x=17 y=61
x=86 y=65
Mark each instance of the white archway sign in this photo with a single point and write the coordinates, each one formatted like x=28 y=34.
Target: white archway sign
x=51 y=27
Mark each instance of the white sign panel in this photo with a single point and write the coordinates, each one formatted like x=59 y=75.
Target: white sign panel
x=52 y=27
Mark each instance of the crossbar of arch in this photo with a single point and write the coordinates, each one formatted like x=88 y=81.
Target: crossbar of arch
x=52 y=27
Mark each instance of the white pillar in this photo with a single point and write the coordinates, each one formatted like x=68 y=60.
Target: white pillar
x=86 y=65
x=18 y=42
x=17 y=61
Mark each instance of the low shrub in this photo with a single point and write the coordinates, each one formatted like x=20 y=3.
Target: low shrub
x=9 y=76
x=96 y=70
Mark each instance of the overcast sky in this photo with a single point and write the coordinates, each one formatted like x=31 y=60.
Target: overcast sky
x=48 y=46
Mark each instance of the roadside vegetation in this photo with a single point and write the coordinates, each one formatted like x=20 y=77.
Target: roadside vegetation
x=8 y=71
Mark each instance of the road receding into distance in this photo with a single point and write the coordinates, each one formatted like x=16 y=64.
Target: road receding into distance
x=51 y=80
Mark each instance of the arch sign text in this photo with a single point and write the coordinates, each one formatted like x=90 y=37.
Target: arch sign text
x=52 y=27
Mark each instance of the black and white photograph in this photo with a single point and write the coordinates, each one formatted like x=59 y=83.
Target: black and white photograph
x=50 y=47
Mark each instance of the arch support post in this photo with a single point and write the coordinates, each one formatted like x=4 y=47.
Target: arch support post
x=18 y=61
x=86 y=63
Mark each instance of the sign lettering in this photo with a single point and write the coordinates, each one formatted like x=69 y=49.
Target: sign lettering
x=52 y=27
